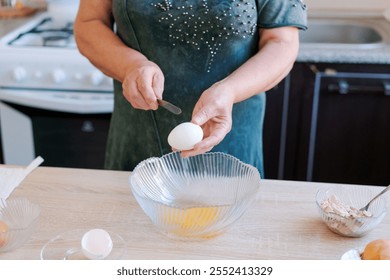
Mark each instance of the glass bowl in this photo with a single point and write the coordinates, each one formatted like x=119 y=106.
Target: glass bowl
x=195 y=197
x=67 y=246
x=19 y=218
x=355 y=197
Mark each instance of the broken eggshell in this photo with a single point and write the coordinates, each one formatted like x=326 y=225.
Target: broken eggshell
x=96 y=244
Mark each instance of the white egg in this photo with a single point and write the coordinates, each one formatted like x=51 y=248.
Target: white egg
x=185 y=136
x=96 y=244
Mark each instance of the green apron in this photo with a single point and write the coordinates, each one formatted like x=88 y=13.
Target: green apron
x=195 y=43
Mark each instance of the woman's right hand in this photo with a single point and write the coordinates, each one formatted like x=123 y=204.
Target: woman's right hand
x=143 y=84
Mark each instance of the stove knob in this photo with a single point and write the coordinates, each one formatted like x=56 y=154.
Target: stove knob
x=78 y=76
x=108 y=81
x=59 y=76
x=19 y=74
x=97 y=78
x=38 y=75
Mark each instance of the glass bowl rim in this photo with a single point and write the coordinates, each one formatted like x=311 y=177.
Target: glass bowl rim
x=31 y=222
x=142 y=195
x=143 y=162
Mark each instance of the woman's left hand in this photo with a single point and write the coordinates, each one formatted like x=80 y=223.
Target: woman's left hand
x=278 y=49
x=213 y=112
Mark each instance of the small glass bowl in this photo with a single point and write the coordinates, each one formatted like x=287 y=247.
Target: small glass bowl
x=357 y=197
x=67 y=246
x=20 y=217
x=197 y=197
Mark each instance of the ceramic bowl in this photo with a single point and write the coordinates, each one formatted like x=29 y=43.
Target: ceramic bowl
x=356 y=197
x=19 y=218
x=195 y=197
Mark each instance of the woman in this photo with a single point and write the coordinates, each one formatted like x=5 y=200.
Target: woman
x=213 y=58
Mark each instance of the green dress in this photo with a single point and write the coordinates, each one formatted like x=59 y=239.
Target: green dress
x=196 y=43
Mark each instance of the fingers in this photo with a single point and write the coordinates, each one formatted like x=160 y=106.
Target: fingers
x=202 y=116
x=203 y=147
x=133 y=94
x=218 y=133
x=158 y=85
x=213 y=112
x=143 y=87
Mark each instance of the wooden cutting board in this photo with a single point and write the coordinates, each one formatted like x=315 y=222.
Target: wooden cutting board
x=6 y=12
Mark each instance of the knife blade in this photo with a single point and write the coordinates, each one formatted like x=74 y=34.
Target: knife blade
x=169 y=106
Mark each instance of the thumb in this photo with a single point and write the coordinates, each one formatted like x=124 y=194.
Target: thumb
x=202 y=116
x=158 y=85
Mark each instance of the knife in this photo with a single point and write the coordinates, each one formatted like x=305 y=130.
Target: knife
x=169 y=106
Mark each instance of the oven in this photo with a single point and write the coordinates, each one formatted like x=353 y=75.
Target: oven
x=53 y=102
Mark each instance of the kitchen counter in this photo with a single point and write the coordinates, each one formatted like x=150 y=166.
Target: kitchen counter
x=283 y=223
x=349 y=53
x=308 y=53
x=9 y=24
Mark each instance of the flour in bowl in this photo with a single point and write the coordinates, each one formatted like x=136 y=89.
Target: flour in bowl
x=342 y=218
x=334 y=205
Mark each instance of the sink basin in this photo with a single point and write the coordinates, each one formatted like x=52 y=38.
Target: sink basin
x=333 y=33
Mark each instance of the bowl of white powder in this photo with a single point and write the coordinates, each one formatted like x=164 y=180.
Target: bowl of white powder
x=339 y=209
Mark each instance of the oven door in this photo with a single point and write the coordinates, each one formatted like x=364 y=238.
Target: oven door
x=62 y=139
x=65 y=129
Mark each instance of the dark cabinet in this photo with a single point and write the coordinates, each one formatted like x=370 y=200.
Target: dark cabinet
x=274 y=134
x=61 y=139
x=336 y=125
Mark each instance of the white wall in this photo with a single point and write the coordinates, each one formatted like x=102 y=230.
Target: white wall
x=358 y=6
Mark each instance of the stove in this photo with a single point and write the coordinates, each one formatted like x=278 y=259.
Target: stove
x=53 y=102
x=42 y=67
x=47 y=32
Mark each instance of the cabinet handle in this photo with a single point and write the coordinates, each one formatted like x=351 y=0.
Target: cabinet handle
x=343 y=87
x=386 y=86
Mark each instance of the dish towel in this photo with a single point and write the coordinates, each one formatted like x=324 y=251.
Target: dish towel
x=10 y=178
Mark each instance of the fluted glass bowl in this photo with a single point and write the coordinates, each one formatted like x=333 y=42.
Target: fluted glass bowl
x=357 y=197
x=195 y=197
x=19 y=218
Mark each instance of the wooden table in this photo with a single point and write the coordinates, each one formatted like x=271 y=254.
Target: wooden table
x=283 y=224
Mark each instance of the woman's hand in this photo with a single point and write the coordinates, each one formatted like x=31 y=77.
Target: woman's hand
x=278 y=48
x=213 y=112
x=143 y=84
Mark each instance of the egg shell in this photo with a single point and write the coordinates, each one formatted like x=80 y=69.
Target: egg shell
x=378 y=249
x=96 y=244
x=3 y=233
x=185 y=136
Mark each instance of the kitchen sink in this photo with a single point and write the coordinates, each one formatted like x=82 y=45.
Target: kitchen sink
x=340 y=33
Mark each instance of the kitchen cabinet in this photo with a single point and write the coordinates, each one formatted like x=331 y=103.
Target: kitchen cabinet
x=62 y=139
x=274 y=134
x=71 y=140
x=1 y=153
x=335 y=128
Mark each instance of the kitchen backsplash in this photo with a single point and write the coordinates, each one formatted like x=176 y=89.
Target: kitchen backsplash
x=349 y=6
